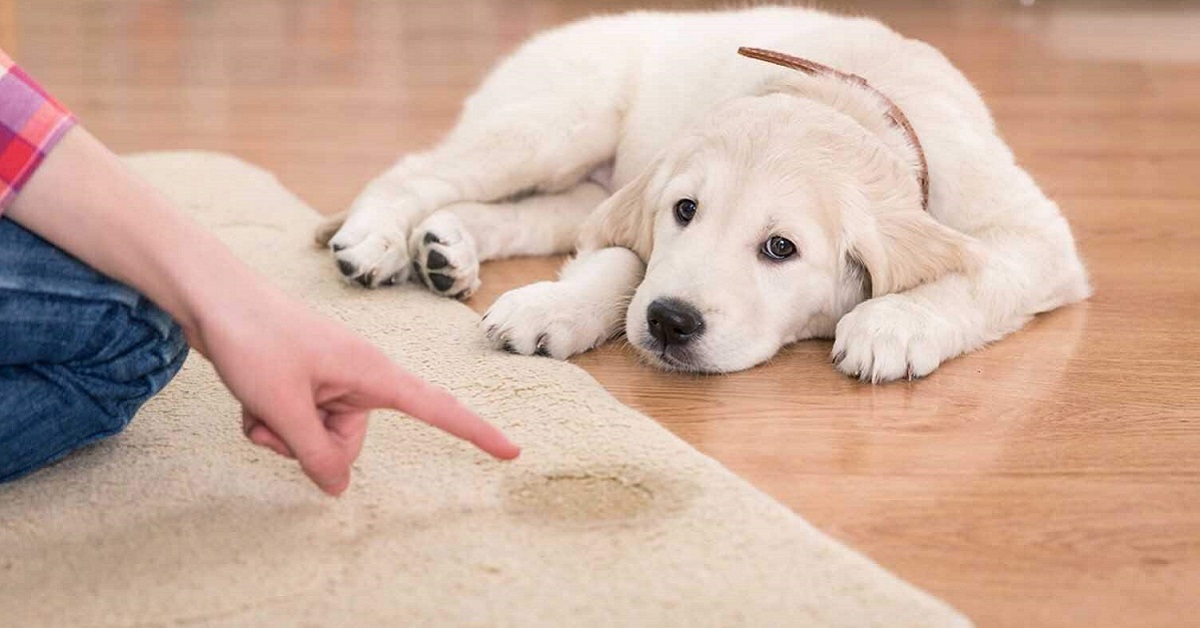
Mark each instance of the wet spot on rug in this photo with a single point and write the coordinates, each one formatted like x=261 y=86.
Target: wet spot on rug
x=606 y=495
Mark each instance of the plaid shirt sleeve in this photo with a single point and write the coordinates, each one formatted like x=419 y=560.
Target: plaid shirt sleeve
x=31 y=123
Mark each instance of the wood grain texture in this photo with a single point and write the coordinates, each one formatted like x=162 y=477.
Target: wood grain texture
x=8 y=27
x=1052 y=479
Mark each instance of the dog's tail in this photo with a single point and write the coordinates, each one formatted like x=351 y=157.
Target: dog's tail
x=326 y=231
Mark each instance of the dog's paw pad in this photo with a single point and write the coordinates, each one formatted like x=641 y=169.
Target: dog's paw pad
x=371 y=247
x=374 y=262
x=436 y=260
x=446 y=259
x=440 y=282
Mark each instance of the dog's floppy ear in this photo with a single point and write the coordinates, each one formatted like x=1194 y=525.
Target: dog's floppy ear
x=906 y=248
x=623 y=219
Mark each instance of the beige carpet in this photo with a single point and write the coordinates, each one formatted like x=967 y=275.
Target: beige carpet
x=606 y=520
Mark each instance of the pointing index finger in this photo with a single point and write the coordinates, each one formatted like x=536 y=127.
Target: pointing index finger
x=439 y=408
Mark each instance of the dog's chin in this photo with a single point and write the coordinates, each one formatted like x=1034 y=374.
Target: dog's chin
x=680 y=359
x=689 y=359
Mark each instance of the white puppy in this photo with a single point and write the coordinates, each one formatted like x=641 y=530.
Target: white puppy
x=755 y=205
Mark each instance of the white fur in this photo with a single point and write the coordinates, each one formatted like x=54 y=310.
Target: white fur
x=562 y=318
x=658 y=106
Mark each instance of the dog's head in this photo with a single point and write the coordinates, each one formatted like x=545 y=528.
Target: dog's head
x=765 y=226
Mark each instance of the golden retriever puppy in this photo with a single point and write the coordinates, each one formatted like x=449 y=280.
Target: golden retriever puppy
x=837 y=181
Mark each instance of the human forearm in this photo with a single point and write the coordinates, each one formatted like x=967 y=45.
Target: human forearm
x=84 y=200
x=306 y=383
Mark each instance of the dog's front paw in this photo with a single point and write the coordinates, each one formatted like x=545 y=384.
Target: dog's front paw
x=548 y=318
x=446 y=258
x=371 y=247
x=888 y=338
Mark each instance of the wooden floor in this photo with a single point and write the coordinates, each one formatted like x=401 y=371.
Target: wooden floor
x=1050 y=480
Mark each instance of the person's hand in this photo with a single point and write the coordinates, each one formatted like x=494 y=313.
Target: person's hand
x=307 y=384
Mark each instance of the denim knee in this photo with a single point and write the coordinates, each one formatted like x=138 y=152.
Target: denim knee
x=138 y=351
x=48 y=409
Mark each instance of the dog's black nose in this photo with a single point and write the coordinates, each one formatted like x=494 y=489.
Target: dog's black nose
x=673 y=322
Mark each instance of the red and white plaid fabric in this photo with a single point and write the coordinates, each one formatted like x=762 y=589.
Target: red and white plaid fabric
x=31 y=123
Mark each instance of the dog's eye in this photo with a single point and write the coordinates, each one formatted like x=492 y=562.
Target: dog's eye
x=778 y=248
x=685 y=210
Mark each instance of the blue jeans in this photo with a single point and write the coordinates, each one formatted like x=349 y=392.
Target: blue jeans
x=79 y=353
